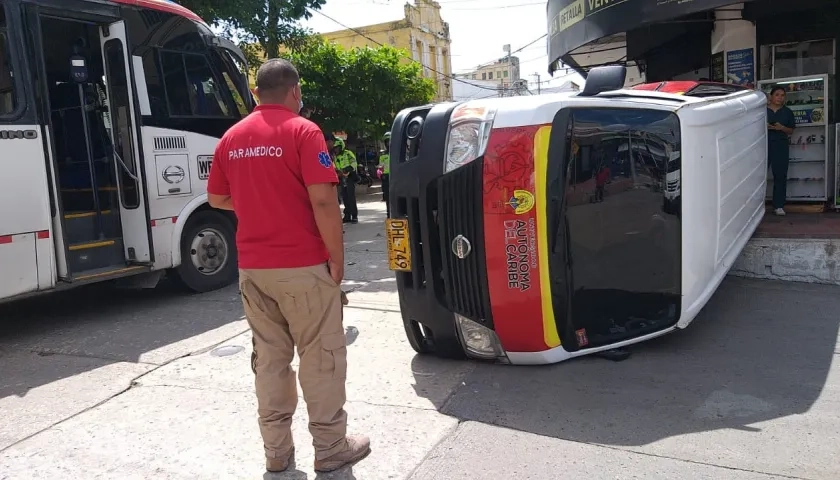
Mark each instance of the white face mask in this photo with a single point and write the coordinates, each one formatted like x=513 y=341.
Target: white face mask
x=300 y=105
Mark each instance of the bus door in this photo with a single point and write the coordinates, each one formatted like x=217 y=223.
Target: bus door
x=124 y=133
x=27 y=259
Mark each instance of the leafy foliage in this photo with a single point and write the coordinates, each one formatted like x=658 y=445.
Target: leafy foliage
x=267 y=23
x=358 y=90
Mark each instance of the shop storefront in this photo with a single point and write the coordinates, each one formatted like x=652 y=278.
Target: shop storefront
x=759 y=43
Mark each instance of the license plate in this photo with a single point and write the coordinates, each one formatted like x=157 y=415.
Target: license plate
x=399 y=244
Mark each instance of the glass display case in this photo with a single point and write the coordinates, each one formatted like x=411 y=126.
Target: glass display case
x=812 y=166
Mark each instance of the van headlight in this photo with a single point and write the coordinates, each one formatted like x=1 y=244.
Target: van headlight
x=469 y=131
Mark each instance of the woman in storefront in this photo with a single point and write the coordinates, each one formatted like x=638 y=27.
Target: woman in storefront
x=780 y=124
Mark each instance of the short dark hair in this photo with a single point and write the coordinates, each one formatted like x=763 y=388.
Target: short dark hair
x=277 y=75
x=774 y=88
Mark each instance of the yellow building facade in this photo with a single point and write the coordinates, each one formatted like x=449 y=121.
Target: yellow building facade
x=422 y=33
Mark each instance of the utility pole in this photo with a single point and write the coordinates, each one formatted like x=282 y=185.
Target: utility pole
x=538 y=82
x=506 y=49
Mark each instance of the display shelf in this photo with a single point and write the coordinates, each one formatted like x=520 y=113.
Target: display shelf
x=811 y=169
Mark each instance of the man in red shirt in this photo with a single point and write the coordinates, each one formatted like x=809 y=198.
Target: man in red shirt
x=274 y=171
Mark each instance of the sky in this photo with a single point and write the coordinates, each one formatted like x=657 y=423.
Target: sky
x=479 y=30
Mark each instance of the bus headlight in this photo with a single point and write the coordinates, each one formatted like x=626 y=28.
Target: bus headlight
x=479 y=341
x=469 y=131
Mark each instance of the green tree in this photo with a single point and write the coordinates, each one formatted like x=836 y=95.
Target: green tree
x=358 y=90
x=267 y=23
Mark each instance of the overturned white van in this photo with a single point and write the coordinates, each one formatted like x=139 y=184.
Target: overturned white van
x=536 y=229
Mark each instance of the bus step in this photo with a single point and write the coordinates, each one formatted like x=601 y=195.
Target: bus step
x=94 y=255
x=80 y=227
x=109 y=273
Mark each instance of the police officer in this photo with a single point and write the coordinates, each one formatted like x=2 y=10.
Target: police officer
x=330 y=139
x=385 y=163
x=345 y=161
x=272 y=169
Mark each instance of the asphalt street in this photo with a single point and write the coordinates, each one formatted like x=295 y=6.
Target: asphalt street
x=100 y=383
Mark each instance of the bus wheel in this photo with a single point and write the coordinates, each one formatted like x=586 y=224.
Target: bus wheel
x=208 y=253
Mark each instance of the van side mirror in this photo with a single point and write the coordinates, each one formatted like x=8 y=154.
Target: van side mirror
x=604 y=79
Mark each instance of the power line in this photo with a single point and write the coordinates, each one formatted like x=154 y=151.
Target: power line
x=518 y=5
x=449 y=76
x=452 y=77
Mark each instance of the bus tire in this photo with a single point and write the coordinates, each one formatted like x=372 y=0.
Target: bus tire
x=208 y=253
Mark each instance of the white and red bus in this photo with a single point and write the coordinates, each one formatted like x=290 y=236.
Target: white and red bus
x=109 y=115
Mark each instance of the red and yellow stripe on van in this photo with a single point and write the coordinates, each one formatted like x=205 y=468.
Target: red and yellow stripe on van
x=516 y=238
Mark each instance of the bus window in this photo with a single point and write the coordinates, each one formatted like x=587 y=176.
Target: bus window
x=191 y=88
x=236 y=78
x=240 y=103
x=8 y=99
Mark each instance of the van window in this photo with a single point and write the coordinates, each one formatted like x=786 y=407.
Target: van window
x=638 y=145
x=8 y=98
x=191 y=88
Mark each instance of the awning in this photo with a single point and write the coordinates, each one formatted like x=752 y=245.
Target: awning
x=573 y=23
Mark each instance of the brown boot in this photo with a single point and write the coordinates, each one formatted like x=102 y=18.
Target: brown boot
x=277 y=465
x=358 y=447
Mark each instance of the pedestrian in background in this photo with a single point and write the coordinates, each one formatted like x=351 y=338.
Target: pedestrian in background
x=274 y=171
x=385 y=162
x=780 y=125
x=345 y=160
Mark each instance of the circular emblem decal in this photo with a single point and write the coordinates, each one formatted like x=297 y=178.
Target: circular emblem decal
x=461 y=247
x=522 y=201
x=173 y=174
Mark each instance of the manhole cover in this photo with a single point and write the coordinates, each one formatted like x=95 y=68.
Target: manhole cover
x=227 y=351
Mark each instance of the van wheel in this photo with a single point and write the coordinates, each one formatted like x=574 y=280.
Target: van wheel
x=416 y=339
x=208 y=253
x=426 y=343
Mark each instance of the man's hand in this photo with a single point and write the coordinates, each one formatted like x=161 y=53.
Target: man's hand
x=328 y=218
x=222 y=202
x=336 y=271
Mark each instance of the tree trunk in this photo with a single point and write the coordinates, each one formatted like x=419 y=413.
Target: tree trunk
x=272 y=40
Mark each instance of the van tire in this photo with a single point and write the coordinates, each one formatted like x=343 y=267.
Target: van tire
x=206 y=236
x=418 y=342
x=441 y=346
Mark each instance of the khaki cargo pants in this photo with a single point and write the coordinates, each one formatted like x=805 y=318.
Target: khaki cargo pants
x=297 y=307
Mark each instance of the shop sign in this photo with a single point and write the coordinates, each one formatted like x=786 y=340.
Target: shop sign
x=718 y=68
x=574 y=23
x=740 y=67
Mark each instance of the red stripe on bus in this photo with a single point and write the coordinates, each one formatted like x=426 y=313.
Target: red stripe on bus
x=43 y=234
x=5 y=239
x=174 y=220
x=163 y=6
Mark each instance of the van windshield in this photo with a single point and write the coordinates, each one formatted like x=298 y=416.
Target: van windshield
x=615 y=258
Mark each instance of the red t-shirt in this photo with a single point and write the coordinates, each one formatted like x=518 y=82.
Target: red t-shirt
x=265 y=163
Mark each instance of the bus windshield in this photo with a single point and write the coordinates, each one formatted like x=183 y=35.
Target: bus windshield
x=236 y=74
